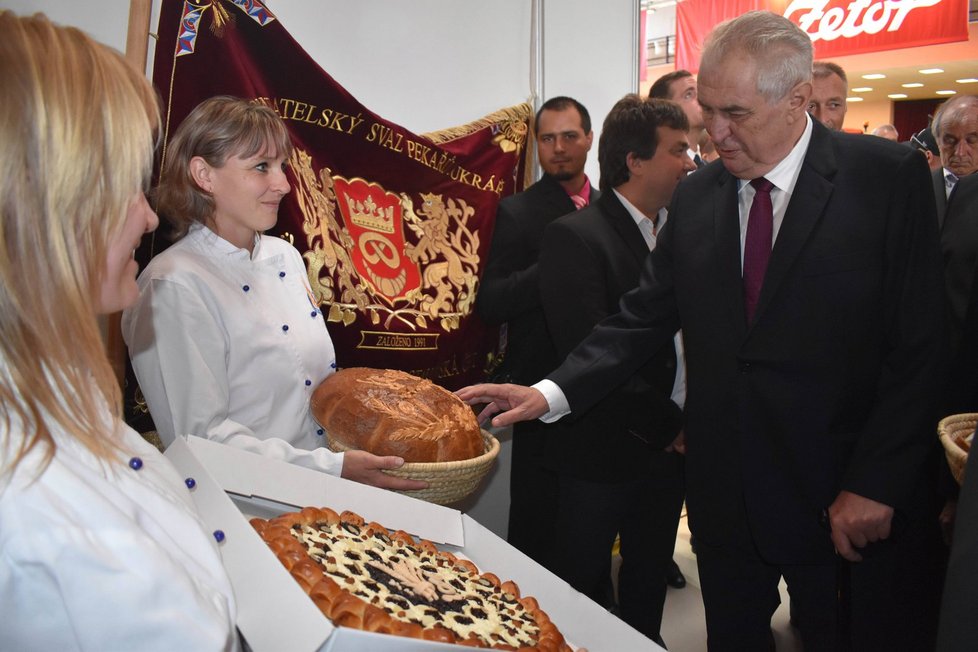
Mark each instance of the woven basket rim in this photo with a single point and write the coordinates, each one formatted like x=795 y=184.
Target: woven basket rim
x=448 y=482
x=949 y=431
x=489 y=441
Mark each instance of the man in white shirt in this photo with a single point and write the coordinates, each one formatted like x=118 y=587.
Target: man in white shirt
x=813 y=359
x=617 y=465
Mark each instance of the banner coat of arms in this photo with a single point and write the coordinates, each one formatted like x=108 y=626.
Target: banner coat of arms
x=394 y=226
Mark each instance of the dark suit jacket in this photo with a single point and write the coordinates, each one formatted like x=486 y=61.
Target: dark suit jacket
x=940 y=194
x=588 y=260
x=834 y=385
x=508 y=292
x=959 y=627
x=959 y=244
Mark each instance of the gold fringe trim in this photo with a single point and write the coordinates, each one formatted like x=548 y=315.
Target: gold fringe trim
x=517 y=113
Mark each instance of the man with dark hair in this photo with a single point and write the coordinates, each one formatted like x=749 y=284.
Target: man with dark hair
x=829 y=89
x=680 y=87
x=509 y=295
x=926 y=144
x=617 y=468
x=805 y=274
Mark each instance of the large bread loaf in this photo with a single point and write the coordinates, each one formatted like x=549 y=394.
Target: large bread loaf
x=389 y=412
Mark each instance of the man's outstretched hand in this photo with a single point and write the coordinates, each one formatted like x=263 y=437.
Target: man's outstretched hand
x=512 y=402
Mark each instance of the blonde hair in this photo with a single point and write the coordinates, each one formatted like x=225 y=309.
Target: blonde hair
x=77 y=128
x=217 y=129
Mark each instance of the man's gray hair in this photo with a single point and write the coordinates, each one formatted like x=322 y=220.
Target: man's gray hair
x=953 y=110
x=782 y=51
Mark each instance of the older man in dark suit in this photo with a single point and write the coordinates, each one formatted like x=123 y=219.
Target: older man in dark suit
x=509 y=295
x=955 y=127
x=805 y=274
x=616 y=466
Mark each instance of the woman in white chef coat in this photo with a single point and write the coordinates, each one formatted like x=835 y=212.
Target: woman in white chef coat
x=225 y=339
x=100 y=545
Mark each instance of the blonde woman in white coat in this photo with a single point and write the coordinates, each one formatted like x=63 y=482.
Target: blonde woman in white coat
x=100 y=545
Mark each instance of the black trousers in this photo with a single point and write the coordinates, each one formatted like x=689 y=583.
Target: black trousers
x=532 y=494
x=644 y=513
x=894 y=595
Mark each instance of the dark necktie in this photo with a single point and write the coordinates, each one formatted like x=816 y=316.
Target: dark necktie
x=757 y=243
x=698 y=161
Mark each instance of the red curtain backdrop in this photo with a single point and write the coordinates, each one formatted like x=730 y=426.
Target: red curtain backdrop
x=837 y=27
x=910 y=116
x=394 y=226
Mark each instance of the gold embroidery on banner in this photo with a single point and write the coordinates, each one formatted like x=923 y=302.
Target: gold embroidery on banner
x=221 y=19
x=509 y=127
x=446 y=252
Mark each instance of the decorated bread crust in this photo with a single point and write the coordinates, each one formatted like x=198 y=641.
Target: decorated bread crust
x=362 y=576
x=388 y=412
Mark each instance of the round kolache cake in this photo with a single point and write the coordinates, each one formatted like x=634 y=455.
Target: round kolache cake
x=361 y=575
x=388 y=412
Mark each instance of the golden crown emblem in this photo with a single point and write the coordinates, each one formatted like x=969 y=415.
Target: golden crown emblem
x=369 y=215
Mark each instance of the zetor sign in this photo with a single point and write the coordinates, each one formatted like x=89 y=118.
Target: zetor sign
x=836 y=27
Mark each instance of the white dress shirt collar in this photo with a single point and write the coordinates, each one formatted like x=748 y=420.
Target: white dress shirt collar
x=648 y=228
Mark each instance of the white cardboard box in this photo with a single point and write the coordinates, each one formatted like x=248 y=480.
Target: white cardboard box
x=275 y=614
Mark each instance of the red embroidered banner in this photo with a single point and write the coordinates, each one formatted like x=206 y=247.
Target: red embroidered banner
x=836 y=27
x=394 y=226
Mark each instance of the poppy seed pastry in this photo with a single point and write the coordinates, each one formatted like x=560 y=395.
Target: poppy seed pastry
x=362 y=576
x=387 y=412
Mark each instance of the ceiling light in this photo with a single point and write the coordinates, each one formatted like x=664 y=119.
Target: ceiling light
x=897 y=96
x=930 y=71
x=913 y=85
x=967 y=80
x=946 y=92
x=854 y=99
x=862 y=89
x=874 y=75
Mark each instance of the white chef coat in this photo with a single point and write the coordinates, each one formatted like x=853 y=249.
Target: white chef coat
x=230 y=346
x=100 y=556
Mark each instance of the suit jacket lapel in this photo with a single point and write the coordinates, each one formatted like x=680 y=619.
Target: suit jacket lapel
x=726 y=227
x=940 y=195
x=812 y=192
x=621 y=220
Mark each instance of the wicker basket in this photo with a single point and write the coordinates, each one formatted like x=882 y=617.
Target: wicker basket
x=448 y=482
x=952 y=432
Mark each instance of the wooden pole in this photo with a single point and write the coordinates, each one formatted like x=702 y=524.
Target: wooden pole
x=138 y=34
x=136 y=46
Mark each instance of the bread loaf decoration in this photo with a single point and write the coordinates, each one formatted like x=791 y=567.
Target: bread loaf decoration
x=388 y=412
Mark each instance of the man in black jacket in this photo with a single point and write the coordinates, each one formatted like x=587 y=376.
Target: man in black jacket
x=805 y=274
x=509 y=295
x=617 y=466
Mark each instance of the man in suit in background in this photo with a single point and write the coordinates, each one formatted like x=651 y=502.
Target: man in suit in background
x=616 y=466
x=887 y=131
x=955 y=127
x=925 y=142
x=680 y=87
x=805 y=274
x=509 y=295
x=829 y=89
